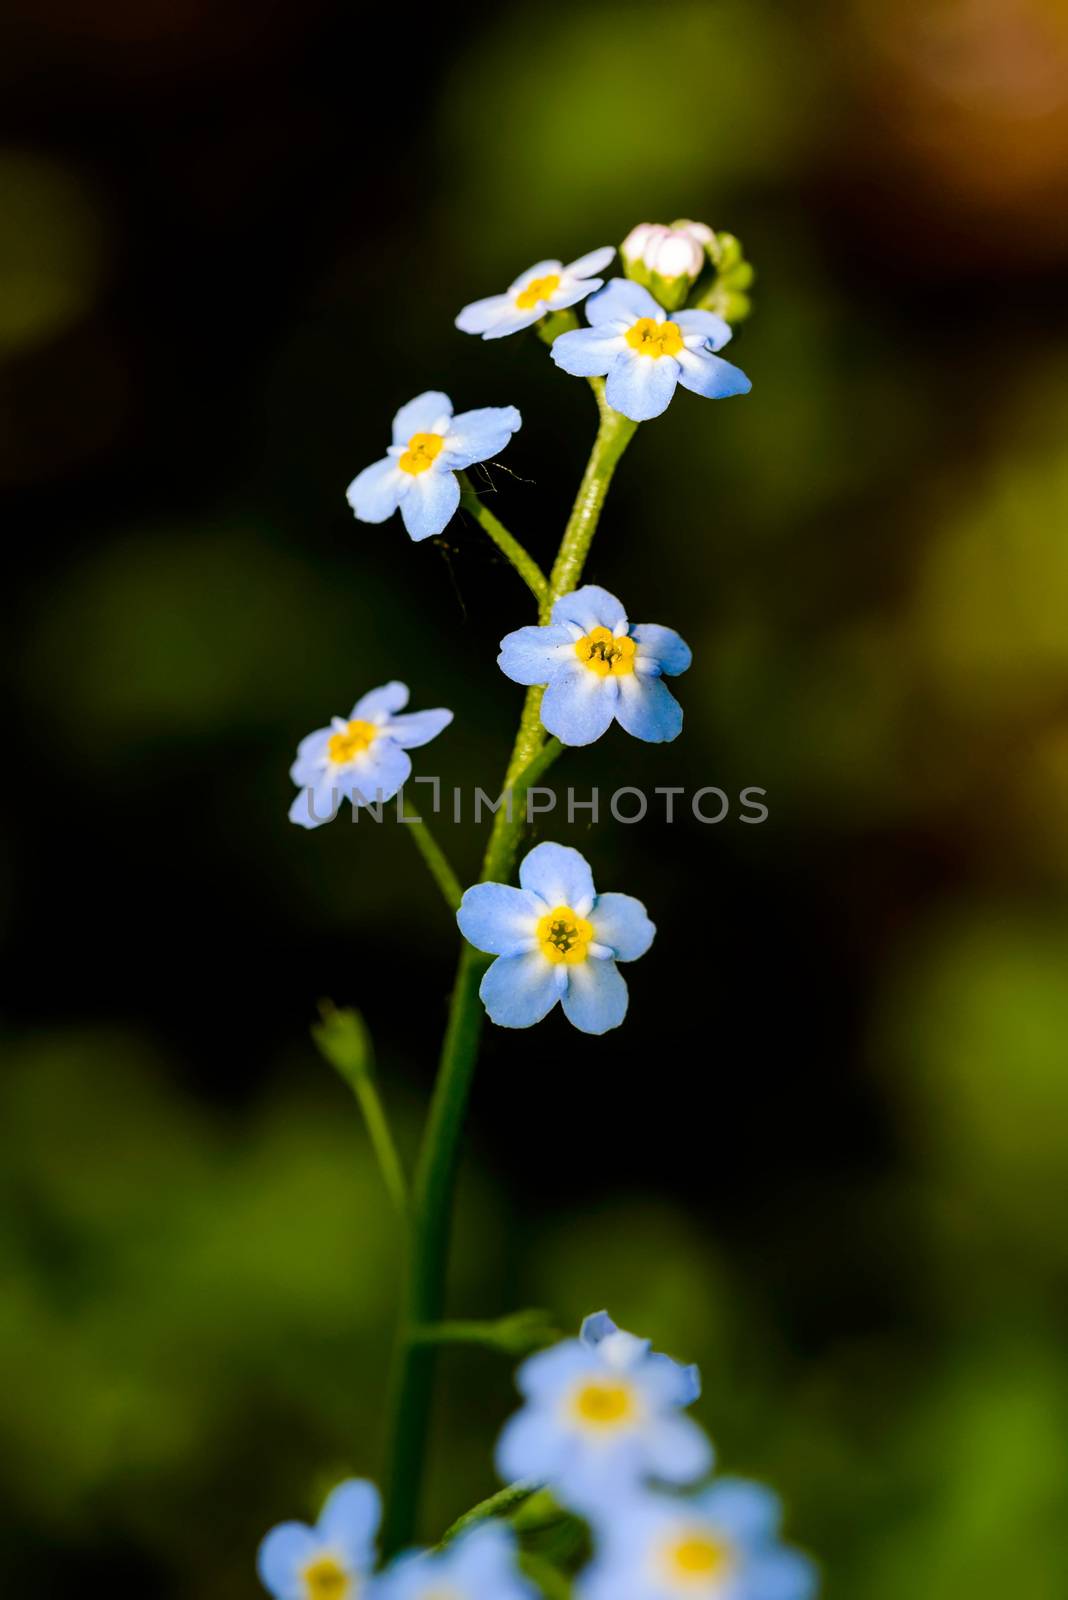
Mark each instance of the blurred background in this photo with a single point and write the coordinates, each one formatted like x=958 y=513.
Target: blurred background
x=826 y=1156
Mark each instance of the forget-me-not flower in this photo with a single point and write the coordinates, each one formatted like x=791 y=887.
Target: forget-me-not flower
x=418 y=472
x=479 y=1565
x=363 y=757
x=643 y=351
x=546 y=286
x=603 y=1414
x=555 y=938
x=596 y=666
x=331 y=1560
x=721 y=1544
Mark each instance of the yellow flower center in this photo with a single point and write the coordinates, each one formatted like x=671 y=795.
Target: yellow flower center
x=698 y=1556
x=655 y=339
x=537 y=289
x=564 y=936
x=604 y=1403
x=423 y=450
x=325 y=1579
x=352 y=743
x=603 y=652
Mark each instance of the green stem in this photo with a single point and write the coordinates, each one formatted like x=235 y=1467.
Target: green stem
x=522 y=561
x=498 y=1505
x=433 y=855
x=413 y=1373
x=381 y=1136
x=343 y=1040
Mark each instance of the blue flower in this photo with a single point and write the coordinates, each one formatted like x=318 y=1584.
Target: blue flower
x=555 y=938
x=645 y=352
x=546 y=286
x=362 y=757
x=418 y=472
x=722 y=1544
x=602 y=1415
x=329 y=1561
x=597 y=666
x=479 y=1565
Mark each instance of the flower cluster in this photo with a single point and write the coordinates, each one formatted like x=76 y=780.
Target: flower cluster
x=594 y=666
x=603 y=1429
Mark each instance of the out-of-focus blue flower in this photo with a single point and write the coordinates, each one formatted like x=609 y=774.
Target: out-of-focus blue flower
x=596 y=666
x=603 y=1414
x=643 y=352
x=331 y=1560
x=546 y=286
x=418 y=472
x=555 y=938
x=721 y=1544
x=479 y=1565
x=362 y=757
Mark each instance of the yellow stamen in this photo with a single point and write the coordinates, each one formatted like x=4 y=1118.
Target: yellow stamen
x=602 y=652
x=564 y=936
x=698 y=1555
x=325 y=1579
x=423 y=450
x=352 y=743
x=603 y=1403
x=537 y=289
x=655 y=339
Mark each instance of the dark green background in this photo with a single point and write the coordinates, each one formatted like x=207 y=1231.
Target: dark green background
x=825 y=1157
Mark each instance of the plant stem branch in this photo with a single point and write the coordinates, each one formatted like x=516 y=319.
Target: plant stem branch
x=433 y=855
x=522 y=561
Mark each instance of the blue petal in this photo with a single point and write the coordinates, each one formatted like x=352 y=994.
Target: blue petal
x=670 y=1384
x=349 y=1521
x=483 y=314
x=418 y=728
x=647 y=709
x=621 y=299
x=560 y=875
x=641 y=387
x=518 y=991
x=283 y=1553
x=596 y=996
x=748 y=1512
x=375 y=493
x=383 y=701
x=678 y=1451
x=514 y=322
x=593 y=262
x=531 y=1445
x=317 y=803
x=620 y=922
x=713 y=330
x=578 y=705
x=499 y=919
x=585 y=352
x=598 y=1325
x=430 y=504
x=421 y=414
x=532 y=655
x=710 y=375
x=572 y=294
x=591 y=607
x=543 y=1377
x=311 y=753
x=482 y=1564
x=478 y=435
x=780 y=1575
x=376 y=774
x=664 y=646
